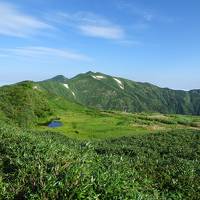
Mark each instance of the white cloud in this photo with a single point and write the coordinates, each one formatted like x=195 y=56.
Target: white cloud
x=92 y=25
x=130 y=43
x=15 y=23
x=43 y=52
x=102 y=31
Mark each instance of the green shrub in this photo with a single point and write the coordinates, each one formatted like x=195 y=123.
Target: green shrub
x=45 y=165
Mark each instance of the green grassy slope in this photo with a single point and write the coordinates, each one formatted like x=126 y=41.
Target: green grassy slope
x=56 y=88
x=108 y=93
x=23 y=103
x=26 y=104
x=45 y=165
x=93 y=124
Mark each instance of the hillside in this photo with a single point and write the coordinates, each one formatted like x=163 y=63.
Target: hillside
x=23 y=104
x=112 y=93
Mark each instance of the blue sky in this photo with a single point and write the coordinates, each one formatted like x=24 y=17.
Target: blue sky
x=144 y=40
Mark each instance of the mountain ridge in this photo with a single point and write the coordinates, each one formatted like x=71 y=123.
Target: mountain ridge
x=102 y=91
x=100 y=73
x=105 y=92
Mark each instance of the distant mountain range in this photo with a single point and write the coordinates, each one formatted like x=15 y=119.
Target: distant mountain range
x=113 y=93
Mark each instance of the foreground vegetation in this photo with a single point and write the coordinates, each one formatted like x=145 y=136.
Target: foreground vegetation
x=45 y=165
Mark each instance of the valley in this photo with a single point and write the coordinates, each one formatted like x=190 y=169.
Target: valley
x=104 y=124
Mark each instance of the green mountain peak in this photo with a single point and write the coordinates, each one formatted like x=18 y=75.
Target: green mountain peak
x=59 y=78
x=95 y=89
x=90 y=72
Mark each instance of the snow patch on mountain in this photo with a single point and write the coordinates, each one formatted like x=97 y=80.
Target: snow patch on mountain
x=120 y=84
x=66 y=85
x=36 y=87
x=73 y=94
x=98 y=77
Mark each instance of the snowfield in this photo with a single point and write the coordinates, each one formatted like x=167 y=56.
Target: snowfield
x=36 y=87
x=120 y=84
x=67 y=86
x=98 y=77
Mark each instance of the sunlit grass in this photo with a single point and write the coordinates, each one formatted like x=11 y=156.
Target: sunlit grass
x=89 y=124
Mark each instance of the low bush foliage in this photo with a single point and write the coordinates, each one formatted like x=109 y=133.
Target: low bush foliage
x=45 y=165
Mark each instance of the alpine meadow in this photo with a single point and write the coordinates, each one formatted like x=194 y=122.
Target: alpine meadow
x=77 y=120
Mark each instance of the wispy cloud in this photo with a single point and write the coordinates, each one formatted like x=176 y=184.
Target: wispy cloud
x=130 y=43
x=134 y=9
x=44 y=52
x=144 y=14
x=92 y=25
x=102 y=31
x=13 y=22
